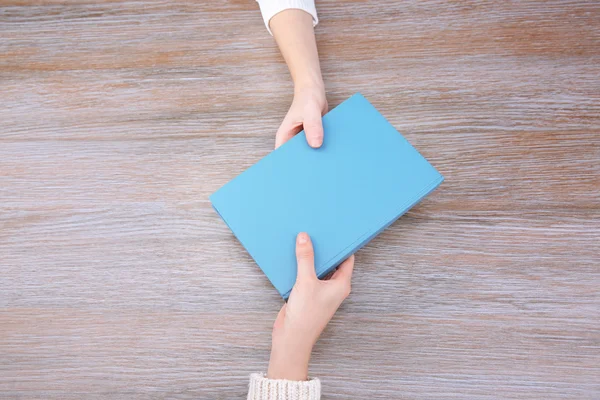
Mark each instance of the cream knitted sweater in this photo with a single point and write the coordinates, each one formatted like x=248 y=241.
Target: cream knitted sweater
x=262 y=388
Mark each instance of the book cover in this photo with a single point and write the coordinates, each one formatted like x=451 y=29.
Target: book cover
x=362 y=179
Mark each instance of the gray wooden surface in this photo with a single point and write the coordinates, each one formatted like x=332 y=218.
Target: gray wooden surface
x=119 y=118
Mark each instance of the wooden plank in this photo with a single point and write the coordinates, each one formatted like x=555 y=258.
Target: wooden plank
x=120 y=118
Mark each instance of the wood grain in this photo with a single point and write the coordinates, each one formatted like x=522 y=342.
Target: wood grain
x=119 y=118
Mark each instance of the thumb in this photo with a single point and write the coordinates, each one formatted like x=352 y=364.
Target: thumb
x=313 y=126
x=306 y=258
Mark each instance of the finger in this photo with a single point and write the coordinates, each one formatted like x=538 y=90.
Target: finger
x=286 y=131
x=306 y=257
x=313 y=126
x=344 y=271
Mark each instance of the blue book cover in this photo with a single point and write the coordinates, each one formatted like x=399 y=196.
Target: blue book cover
x=362 y=179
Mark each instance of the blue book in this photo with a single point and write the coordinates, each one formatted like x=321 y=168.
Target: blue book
x=361 y=180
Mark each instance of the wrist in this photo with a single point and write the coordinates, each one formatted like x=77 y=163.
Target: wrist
x=311 y=92
x=289 y=362
x=312 y=83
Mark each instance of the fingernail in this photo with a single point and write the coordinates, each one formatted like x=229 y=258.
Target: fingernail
x=302 y=238
x=316 y=141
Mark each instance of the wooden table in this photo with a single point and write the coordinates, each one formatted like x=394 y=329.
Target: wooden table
x=119 y=118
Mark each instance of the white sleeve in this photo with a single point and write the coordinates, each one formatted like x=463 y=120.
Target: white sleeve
x=262 y=388
x=269 y=8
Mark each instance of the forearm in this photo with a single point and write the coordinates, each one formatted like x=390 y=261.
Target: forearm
x=293 y=30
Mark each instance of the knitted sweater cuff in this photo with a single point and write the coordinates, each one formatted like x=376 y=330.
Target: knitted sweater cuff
x=262 y=388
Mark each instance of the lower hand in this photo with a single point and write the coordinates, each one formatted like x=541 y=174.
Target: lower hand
x=312 y=303
x=308 y=107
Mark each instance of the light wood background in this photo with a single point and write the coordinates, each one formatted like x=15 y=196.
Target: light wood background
x=119 y=118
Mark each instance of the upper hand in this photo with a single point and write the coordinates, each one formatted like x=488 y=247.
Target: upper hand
x=312 y=303
x=307 y=108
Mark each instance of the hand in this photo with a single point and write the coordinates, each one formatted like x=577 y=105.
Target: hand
x=312 y=303
x=308 y=107
x=295 y=36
